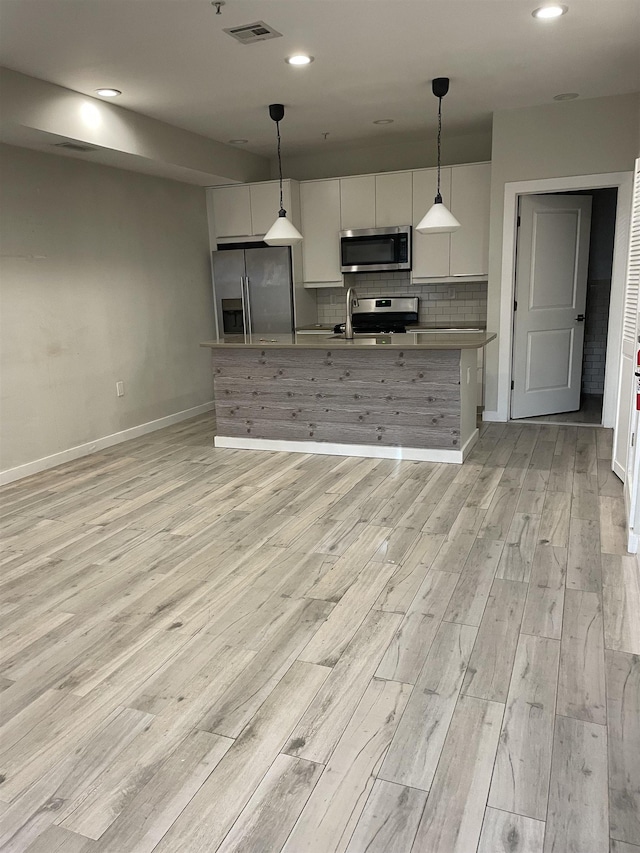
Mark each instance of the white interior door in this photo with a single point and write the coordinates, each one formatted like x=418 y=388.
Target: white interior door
x=626 y=457
x=551 y=294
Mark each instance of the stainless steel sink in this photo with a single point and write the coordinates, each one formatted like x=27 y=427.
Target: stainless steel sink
x=373 y=336
x=358 y=337
x=444 y=331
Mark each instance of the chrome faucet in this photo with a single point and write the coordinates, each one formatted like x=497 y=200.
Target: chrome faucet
x=352 y=302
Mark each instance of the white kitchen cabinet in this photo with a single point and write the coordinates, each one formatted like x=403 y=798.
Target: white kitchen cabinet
x=393 y=199
x=248 y=210
x=465 y=253
x=470 y=189
x=358 y=202
x=265 y=204
x=320 y=206
x=430 y=251
x=376 y=201
x=232 y=211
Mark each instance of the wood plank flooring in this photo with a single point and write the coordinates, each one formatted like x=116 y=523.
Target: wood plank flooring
x=216 y=650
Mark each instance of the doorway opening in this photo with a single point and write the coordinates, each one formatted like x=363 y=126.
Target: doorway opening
x=499 y=355
x=579 y=336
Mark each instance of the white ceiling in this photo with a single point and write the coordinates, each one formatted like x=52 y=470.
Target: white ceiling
x=373 y=59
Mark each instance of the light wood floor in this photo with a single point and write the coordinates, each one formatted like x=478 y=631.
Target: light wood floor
x=589 y=414
x=242 y=651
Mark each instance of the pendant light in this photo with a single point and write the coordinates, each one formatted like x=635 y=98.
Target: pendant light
x=282 y=232
x=438 y=219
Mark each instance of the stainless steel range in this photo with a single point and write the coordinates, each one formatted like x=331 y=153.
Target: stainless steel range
x=383 y=315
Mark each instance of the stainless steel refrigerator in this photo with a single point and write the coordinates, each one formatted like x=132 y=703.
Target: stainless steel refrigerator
x=253 y=291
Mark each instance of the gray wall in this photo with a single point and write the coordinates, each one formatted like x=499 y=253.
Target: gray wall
x=105 y=277
x=390 y=154
x=603 y=225
x=603 y=220
x=554 y=140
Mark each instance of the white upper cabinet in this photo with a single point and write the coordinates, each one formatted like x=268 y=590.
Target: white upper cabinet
x=393 y=199
x=430 y=251
x=376 y=201
x=248 y=210
x=465 y=253
x=358 y=202
x=328 y=206
x=232 y=211
x=265 y=204
x=470 y=189
x=320 y=204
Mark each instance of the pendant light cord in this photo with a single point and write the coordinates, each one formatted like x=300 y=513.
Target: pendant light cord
x=279 y=163
x=438 y=196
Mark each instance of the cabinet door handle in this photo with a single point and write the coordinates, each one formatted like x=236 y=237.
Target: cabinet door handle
x=580 y=318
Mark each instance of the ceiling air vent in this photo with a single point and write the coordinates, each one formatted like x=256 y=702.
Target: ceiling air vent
x=74 y=146
x=251 y=33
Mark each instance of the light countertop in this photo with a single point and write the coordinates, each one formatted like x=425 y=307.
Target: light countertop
x=430 y=340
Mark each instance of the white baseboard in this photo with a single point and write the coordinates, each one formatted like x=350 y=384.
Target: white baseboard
x=618 y=470
x=372 y=451
x=12 y=474
x=493 y=417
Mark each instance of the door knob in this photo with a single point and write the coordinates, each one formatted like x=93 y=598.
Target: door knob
x=580 y=318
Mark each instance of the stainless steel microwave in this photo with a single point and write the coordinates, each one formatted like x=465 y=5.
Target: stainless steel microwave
x=376 y=249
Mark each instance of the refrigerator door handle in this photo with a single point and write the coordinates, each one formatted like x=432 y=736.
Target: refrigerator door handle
x=244 y=306
x=248 y=298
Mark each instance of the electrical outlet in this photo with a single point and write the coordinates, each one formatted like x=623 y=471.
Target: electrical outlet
x=119 y=389
x=451 y=293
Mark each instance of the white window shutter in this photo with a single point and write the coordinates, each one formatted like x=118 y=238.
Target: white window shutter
x=632 y=294
x=625 y=439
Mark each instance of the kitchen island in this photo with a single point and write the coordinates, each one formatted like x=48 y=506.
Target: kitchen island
x=402 y=396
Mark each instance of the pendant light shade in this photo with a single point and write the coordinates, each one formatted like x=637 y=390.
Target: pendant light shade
x=438 y=219
x=283 y=232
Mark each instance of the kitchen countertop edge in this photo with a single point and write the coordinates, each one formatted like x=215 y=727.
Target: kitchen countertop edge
x=411 y=341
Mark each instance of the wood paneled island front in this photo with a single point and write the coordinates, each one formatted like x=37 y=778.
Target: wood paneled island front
x=404 y=396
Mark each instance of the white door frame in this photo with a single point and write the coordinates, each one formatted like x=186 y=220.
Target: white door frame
x=623 y=181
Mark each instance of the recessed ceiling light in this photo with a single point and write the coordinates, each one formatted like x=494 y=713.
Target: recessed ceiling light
x=108 y=93
x=299 y=59
x=553 y=10
x=238 y=141
x=566 y=96
x=383 y=121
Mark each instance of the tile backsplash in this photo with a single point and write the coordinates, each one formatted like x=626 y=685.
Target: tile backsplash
x=441 y=303
x=595 y=336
